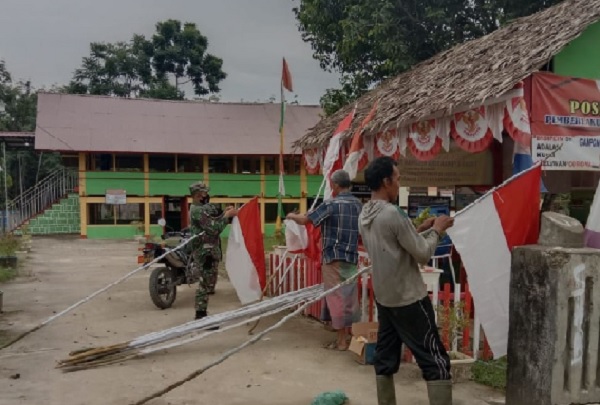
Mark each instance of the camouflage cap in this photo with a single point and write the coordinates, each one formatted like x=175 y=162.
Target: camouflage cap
x=198 y=187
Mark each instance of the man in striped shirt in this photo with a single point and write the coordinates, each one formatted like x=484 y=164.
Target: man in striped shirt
x=338 y=219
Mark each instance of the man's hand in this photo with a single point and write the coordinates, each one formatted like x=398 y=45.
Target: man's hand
x=230 y=212
x=428 y=223
x=297 y=218
x=441 y=223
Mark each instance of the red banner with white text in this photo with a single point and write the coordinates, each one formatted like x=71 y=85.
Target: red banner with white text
x=565 y=122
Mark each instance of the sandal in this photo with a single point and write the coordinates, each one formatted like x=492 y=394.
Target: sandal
x=334 y=346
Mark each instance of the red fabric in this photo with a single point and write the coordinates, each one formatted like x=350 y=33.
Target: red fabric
x=286 y=77
x=518 y=207
x=313 y=251
x=249 y=217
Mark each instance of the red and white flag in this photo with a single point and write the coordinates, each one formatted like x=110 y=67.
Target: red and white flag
x=333 y=157
x=245 y=257
x=484 y=236
x=357 y=158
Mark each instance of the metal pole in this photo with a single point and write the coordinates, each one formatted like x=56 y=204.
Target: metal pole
x=5 y=189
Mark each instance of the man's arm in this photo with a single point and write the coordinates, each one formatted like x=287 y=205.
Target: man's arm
x=300 y=219
x=421 y=246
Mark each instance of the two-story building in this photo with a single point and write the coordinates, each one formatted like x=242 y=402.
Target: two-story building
x=136 y=158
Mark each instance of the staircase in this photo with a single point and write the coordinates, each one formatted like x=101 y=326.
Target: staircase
x=52 y=194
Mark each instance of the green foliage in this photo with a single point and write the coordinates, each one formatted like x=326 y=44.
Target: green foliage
x=7 y=274
x=491 y=373
x=369 y=41
x=9 y=244
x=153 y=68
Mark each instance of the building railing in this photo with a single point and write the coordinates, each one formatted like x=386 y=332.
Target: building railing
x=40 y=197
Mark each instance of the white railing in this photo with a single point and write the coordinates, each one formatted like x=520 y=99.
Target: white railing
x=40 y=197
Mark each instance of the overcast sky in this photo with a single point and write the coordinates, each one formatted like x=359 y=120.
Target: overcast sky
x=44 y=40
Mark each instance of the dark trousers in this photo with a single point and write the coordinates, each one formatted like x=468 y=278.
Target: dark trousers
x=413 y=325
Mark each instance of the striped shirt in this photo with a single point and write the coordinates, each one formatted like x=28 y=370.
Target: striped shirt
x=338 y=219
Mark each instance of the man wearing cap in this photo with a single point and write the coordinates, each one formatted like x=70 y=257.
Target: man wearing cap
x=338 y=219
x=207 y=219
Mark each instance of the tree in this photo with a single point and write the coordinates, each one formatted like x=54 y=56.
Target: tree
x=368 y=41
x=156 y=68
x=18 y=114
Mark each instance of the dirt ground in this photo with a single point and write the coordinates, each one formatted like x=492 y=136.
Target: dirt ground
x=288 y=366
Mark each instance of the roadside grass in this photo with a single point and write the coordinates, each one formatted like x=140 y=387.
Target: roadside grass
x=491 y=373
x=7 y=274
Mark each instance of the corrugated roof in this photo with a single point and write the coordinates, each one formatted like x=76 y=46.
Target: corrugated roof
x=68 y=122
x=467 y=74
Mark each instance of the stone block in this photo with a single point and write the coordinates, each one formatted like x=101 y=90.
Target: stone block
x=558 y=230
x=553 y=342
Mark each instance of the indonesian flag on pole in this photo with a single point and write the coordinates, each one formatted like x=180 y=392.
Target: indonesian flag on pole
x=357 y=158
x=484 y=235
x=245 y=257
x=333 y=156
x=592 y=226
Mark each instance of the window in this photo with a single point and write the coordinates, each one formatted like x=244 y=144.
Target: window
x=129 y=163
x=155 y=213
x=220 y=164
x=99 y=161
x=248 y=165
x=71 y=161
x=272 y=165
x=293 y=164
x=190 y=163
x=161 y=163
x=271 y=210
x=125 y=214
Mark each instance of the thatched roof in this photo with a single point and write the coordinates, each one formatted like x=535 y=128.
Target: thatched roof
x=468 y=74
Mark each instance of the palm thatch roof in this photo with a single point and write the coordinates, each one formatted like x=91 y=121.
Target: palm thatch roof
x=468 y=74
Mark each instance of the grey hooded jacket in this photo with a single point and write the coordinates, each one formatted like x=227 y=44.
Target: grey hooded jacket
x=395 y=249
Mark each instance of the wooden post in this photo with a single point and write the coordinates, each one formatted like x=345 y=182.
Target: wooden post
x=146 y=195
x=303 y=187
x=263 y=191
x=83 y=209
x=205 y=170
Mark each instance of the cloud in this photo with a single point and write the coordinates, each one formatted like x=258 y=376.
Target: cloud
x=44 y=41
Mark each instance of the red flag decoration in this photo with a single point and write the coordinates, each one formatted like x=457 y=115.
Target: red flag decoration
x=484 y=236
x=357 y=158
x=286 y=77
x=245 y=257
x=334 y=157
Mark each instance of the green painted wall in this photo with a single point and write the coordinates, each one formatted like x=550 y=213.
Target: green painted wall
x=172 y=184
x=98 y=182
x=177 y=184
x=62 y=218
x=581 y=58
x=313 y=184
x=234 y=185
x=119 y=231
x=292 y=185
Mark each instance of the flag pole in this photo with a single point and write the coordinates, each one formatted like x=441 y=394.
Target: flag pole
x=281 y=184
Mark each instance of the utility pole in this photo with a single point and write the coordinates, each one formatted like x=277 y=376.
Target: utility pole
x=5 y=169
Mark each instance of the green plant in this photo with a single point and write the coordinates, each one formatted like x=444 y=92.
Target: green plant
x=454 y=319
x=9 y=244
x=7 y=274
x=491 y=373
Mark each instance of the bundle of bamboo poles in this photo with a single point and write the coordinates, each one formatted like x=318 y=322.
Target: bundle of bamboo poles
x=186 y=333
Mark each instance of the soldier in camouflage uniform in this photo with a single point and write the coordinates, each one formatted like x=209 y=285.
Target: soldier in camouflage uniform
x=207 y=218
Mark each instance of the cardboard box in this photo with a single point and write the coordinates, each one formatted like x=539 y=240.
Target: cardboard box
x=364 y=340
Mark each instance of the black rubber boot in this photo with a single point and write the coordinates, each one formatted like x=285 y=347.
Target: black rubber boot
x=203 y=314
x=386 y=390
x=440 y=392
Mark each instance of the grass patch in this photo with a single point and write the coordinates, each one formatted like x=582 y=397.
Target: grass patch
x=491 y=373
x=7 y=274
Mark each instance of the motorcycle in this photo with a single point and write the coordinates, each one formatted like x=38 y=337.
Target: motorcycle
x=179 y=268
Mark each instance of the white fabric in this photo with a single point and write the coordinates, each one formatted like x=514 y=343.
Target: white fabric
x=593 y=221
x=331 y=156
x=478 y=236
x=240 y=268
x=296 y=237
x=351 y=165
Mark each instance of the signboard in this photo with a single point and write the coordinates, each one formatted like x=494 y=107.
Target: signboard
x=447 y=169
x=565 y=122
x=437 y=205
x=116 y=197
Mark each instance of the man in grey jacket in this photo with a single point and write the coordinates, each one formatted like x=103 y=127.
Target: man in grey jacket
x=405 y=312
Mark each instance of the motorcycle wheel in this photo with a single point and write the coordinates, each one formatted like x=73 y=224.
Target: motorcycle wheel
x=161 y=294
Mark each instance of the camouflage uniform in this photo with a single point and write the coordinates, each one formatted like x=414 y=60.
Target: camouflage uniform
x=206 y=249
